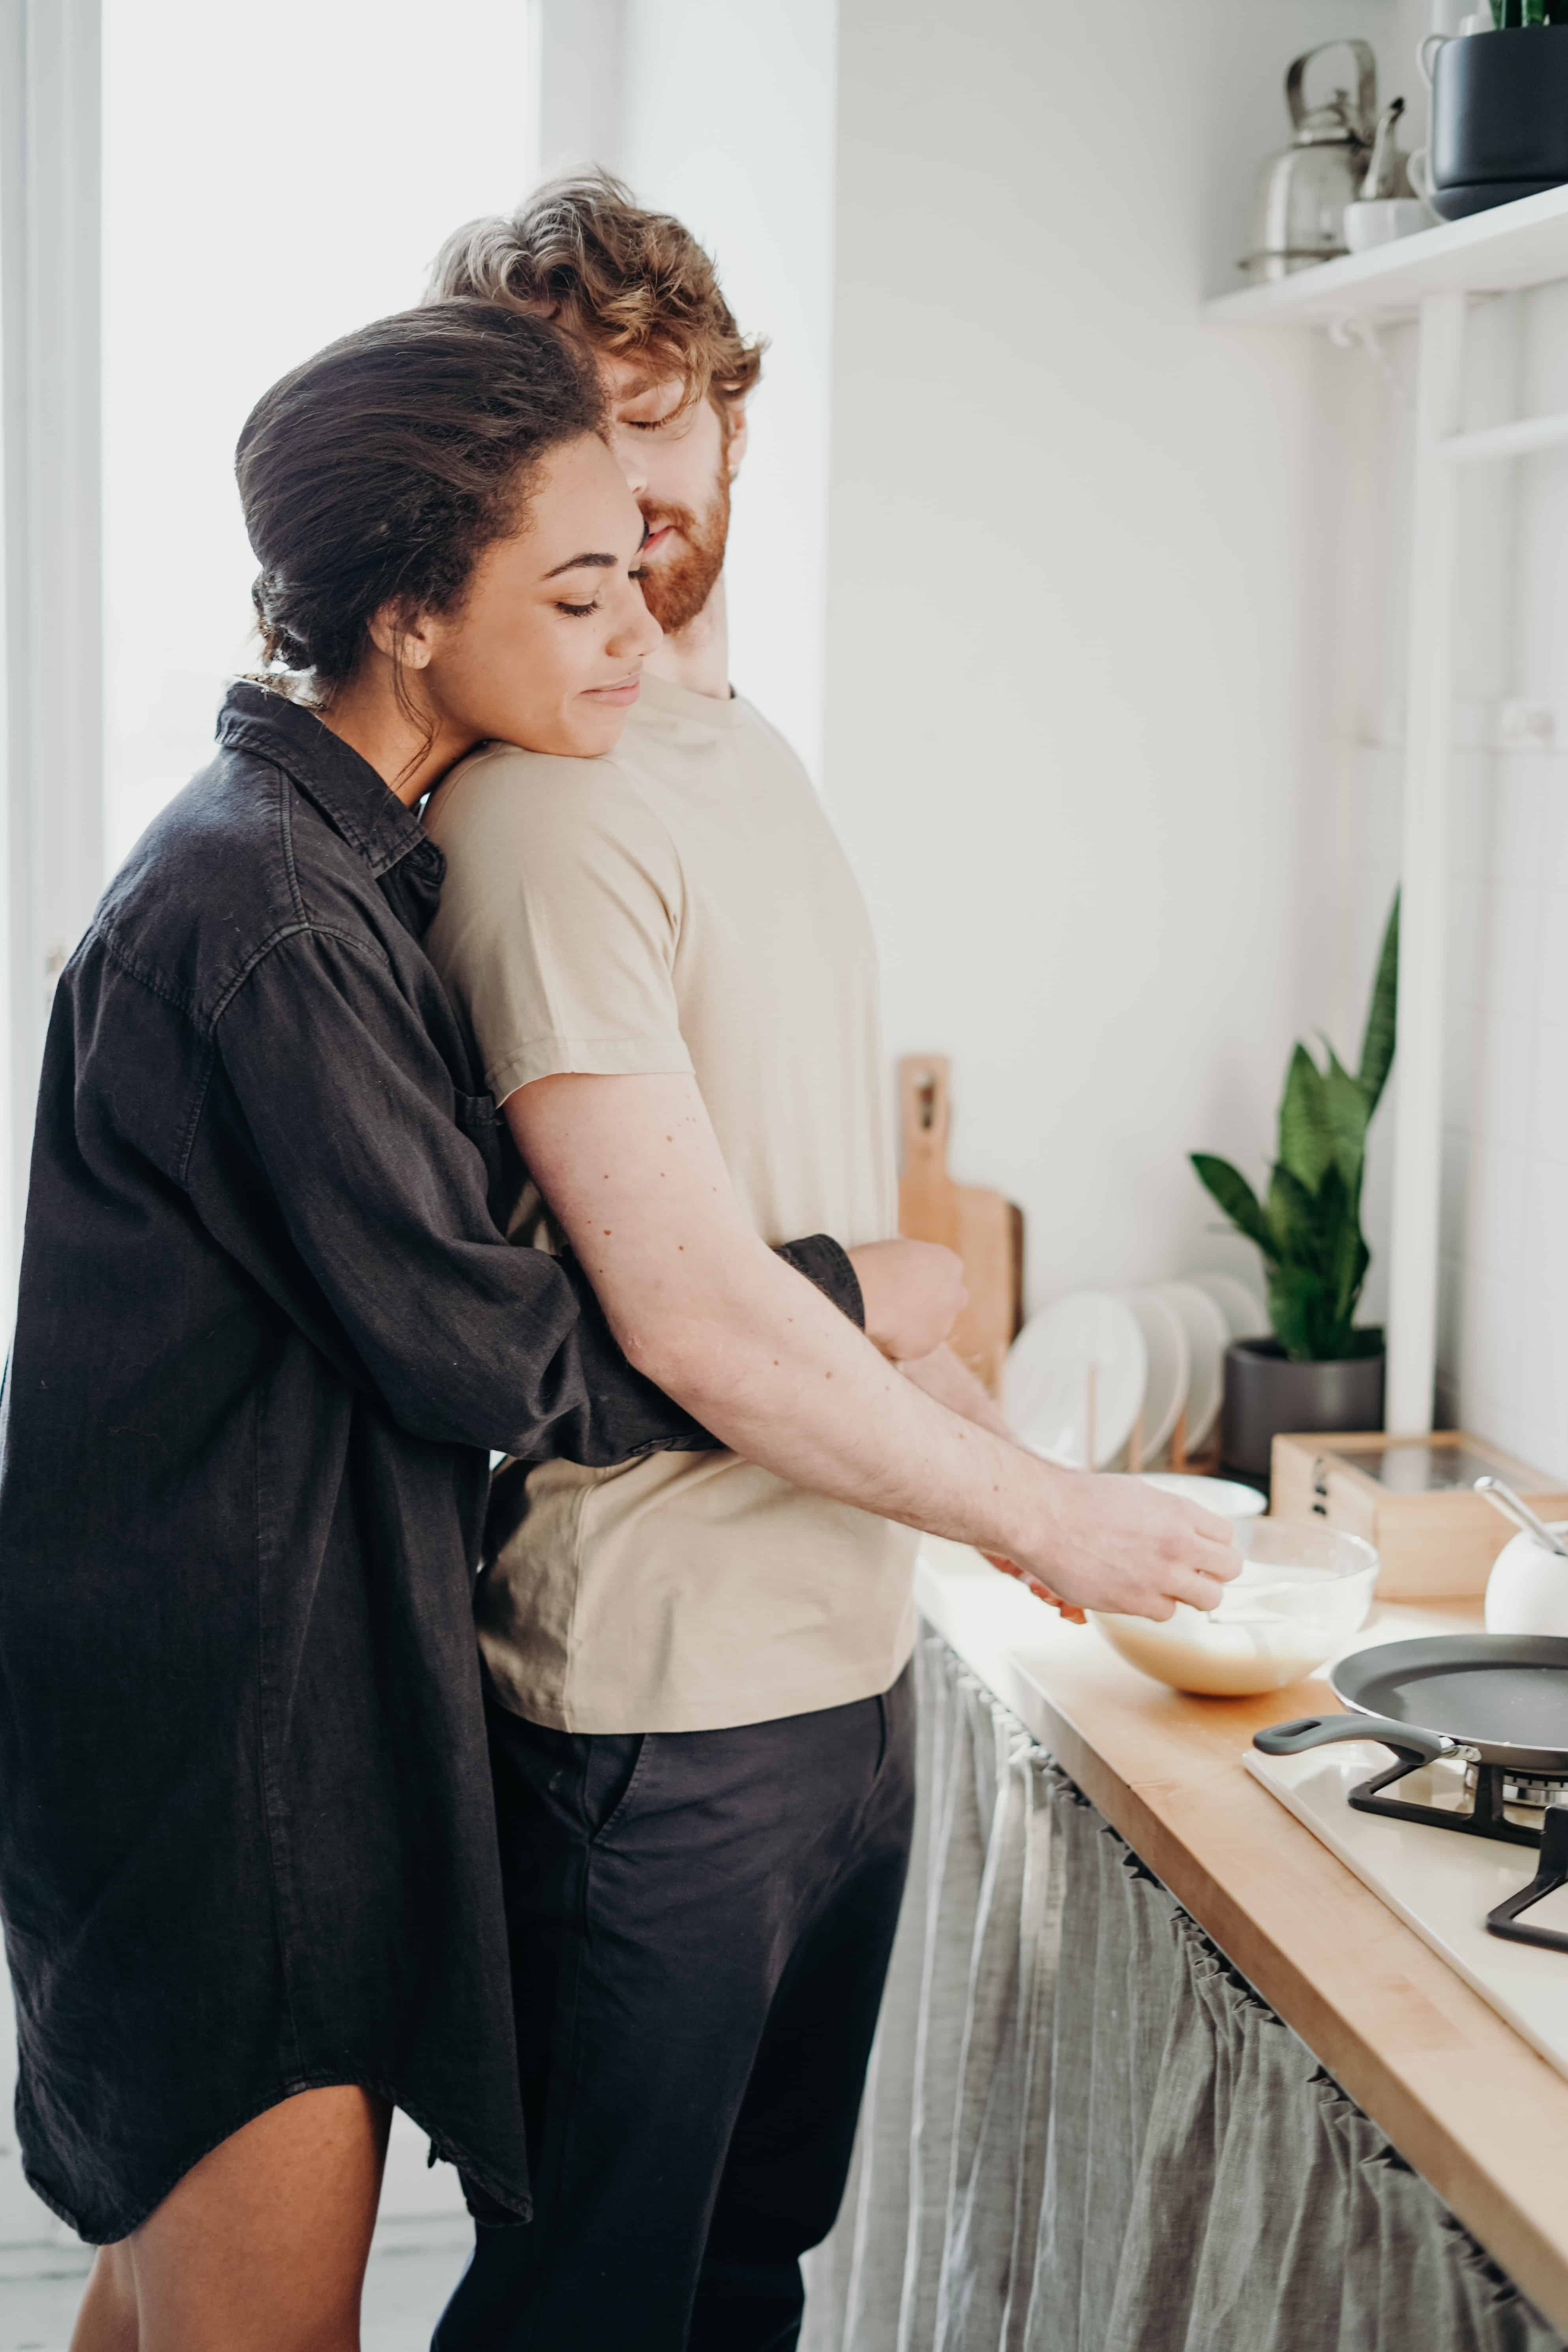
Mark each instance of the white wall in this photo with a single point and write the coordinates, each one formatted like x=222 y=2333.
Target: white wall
x=1079 y=722
x=729 y=123
x=1503 y=1311
x=1503 y=1306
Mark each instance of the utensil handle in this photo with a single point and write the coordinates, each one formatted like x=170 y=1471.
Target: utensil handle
x=1318 y=1731
x=1512 y=1507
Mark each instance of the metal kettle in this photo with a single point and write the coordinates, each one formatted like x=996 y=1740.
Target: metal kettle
x=1298 y=209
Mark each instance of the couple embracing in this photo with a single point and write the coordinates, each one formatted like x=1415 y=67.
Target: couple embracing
x=481 y=1055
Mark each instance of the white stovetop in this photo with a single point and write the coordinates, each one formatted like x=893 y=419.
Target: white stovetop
x=1439 y=1881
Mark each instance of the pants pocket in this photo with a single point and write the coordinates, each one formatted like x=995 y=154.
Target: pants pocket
x=611 y=1770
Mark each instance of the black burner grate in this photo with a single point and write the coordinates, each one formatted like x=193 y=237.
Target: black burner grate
x=1493 y=1794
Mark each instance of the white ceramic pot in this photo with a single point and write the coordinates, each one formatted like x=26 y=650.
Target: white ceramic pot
x=1527 y=1591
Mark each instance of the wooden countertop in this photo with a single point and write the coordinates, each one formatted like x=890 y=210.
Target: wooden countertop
x=1464 y=2099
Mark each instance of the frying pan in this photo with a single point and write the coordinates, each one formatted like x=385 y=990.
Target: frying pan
x=1492 y=1698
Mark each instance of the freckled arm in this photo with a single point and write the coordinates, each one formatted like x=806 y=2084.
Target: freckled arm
x=632 y=1170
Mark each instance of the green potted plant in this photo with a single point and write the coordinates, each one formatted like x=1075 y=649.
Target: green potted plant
x=1500 y=109
x=1320 y=1370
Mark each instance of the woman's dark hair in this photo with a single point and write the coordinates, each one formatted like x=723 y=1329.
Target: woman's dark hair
x=379 y=471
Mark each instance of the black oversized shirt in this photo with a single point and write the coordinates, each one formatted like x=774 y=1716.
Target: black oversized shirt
x=268 y=1331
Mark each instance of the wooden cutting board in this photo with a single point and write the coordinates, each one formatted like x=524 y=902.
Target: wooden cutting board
x=983 y=1227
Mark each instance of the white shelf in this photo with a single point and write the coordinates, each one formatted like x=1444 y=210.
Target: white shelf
x=1521 y=243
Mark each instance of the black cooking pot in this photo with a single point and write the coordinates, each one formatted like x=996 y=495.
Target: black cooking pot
x=1499 y=117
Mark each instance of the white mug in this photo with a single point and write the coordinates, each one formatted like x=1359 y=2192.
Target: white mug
x=1527 y=1591
x=1378 y=220
x=1480 y=22
x=1418 y=171
x=1433 y=42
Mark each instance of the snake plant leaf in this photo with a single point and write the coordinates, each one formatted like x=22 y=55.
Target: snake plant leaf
x=1306 y=1134
x=1293 y=1295
x=1344 y=1252
x=1534 y=12
x=1236 y=1196
x=1292 y=1211
x=1382 y=1015
x=1349 y=1113
x=1308 y=1227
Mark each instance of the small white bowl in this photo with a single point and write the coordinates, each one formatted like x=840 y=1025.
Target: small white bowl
x=1301 y=1593
x=1226 y=1498
x=1527 y=1591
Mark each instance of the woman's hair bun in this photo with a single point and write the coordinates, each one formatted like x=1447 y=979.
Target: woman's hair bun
x=282 y=647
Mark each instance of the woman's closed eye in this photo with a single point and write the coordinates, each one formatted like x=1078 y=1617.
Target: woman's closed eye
x=637 y=572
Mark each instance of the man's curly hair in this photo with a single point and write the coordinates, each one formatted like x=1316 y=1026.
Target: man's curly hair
x=636 y=283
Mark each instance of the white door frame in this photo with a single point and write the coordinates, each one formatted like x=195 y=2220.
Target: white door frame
x=51 y=275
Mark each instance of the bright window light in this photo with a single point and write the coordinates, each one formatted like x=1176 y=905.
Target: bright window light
x=271 y=180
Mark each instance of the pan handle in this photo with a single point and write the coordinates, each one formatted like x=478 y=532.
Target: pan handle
x=1316 y=1730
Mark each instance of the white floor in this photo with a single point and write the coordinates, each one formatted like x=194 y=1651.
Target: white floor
x=405 y=2291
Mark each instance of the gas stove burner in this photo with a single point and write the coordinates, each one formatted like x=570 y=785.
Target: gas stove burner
x=1508 y=1919
x=1497 y=1797
x=1494 y=1703
x=1477 y=1799
x=1535 y=1794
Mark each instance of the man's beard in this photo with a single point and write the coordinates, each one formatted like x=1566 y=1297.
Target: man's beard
x=676 y=592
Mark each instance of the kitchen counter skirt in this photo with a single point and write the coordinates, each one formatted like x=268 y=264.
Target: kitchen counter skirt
x=1461 y=2098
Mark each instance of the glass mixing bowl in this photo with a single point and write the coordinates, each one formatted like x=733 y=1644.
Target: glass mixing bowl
x=1301 y=1593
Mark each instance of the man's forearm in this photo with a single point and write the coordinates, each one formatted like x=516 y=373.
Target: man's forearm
x=799 y=1391
x=702 y=1308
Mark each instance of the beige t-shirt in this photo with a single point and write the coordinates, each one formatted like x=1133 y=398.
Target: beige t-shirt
x=682 y=905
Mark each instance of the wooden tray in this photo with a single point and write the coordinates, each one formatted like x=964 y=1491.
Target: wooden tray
x=1412 y=1497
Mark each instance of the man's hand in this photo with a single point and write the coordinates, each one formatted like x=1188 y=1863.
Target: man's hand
x=914 y=1293
x=1115 y=1543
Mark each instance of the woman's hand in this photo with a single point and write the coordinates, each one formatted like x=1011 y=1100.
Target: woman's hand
x=1067 y=1608
x=914 y=1293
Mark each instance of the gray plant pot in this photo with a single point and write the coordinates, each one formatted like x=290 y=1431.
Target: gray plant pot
x=1266 y=1393
x=1499 y=117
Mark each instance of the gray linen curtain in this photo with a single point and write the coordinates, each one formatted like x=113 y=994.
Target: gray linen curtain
x=1084 y=2133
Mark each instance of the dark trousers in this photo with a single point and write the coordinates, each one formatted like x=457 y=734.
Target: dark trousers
x=700 y=1928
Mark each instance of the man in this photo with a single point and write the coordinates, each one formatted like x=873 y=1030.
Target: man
x=700 y=1709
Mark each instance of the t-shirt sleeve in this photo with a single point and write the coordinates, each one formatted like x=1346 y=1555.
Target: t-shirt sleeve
x=559 y=919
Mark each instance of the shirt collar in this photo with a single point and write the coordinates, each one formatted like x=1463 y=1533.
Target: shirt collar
x=352 y=798
x=661 y=699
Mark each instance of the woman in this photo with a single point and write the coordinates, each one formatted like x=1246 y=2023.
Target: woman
x=267 y=1332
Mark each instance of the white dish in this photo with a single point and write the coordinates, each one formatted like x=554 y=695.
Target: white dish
x=1170 y=1368
x=1242 y=1306
x=1226 y=1498
x=1208 y=1335
x=1046 y=1380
